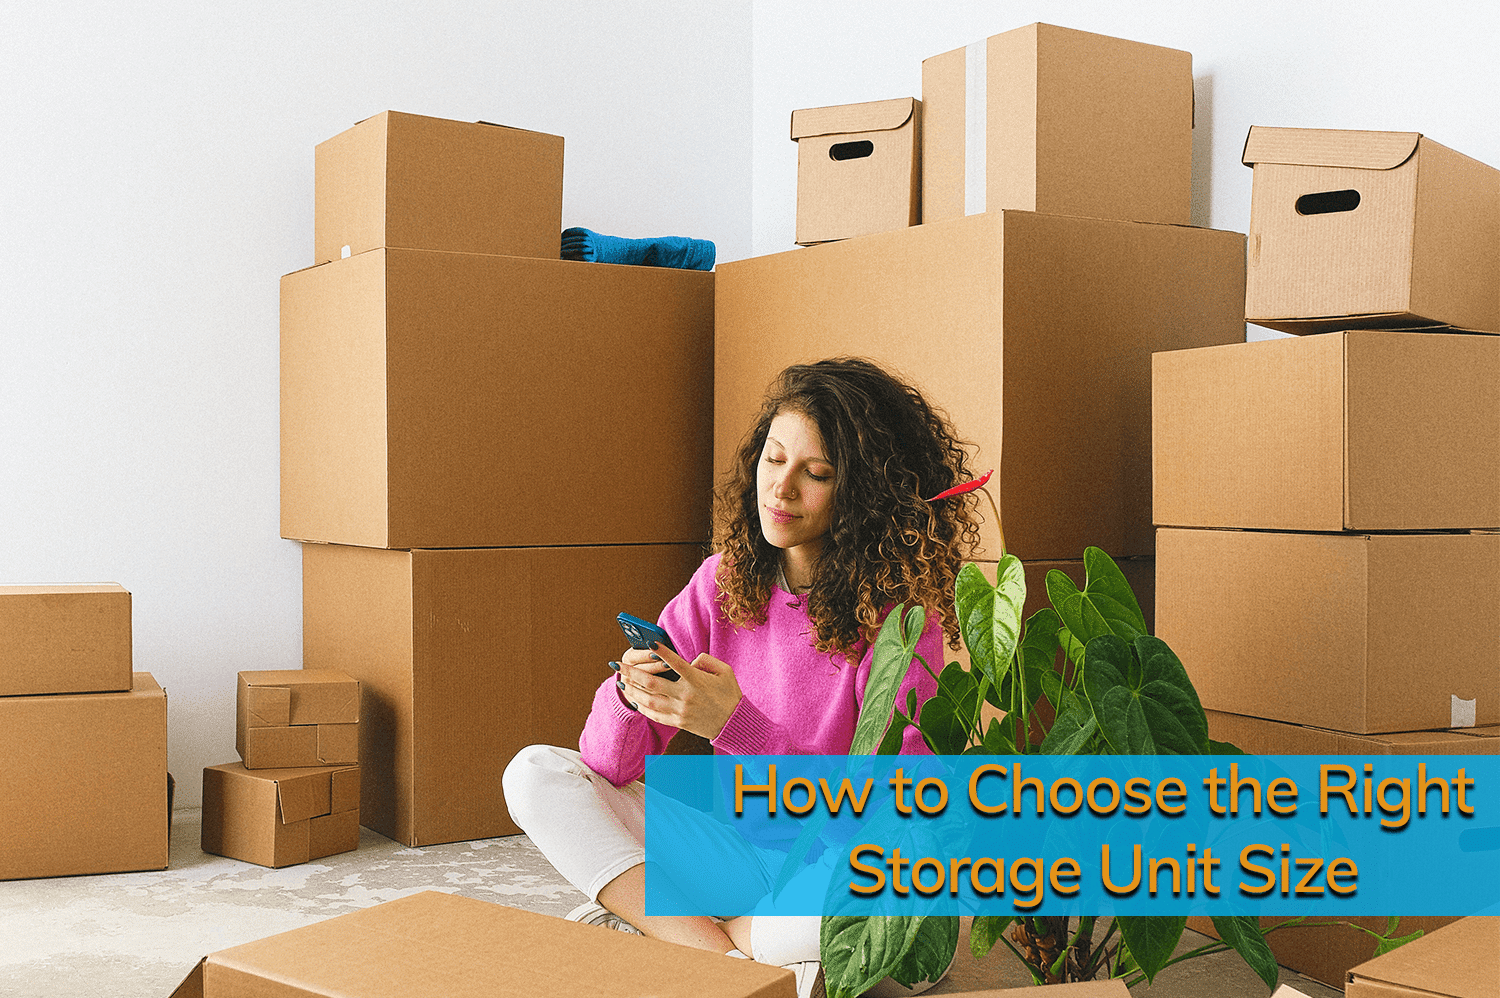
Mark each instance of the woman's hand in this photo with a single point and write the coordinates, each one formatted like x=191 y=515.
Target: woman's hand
x=699 y=702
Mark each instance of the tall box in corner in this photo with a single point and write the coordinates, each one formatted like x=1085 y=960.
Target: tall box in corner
x=1054 y=120
x=859 y=169
x=410 y=181
x=1352 y=229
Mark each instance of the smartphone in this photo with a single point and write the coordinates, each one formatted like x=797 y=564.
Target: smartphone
x=641 y=633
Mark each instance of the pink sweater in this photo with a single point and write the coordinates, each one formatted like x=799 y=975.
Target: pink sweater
x=797 y=700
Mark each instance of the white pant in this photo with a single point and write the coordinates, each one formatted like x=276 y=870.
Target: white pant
x=593 y=831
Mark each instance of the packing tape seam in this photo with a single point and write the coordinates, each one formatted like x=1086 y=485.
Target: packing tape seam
x=976 y=106
x=1462 y=713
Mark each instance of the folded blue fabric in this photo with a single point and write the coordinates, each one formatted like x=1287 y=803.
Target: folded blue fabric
x=662 y=251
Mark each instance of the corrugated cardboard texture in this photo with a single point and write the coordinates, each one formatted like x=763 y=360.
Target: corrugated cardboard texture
x=467 y=656
x=1078 y=124
x=1328 y=630
x=279 y=817
x=1461 y=960
x=1325 y=953
x=85 y=785
x=442 y=944
x=839 y=197
x=1034 y=332
x=428 y=183
x=1346 y=431
x=1421 y=247
x=64 y=639
x=1258 y=736
x=447 y=399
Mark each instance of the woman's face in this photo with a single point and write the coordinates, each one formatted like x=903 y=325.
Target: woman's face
x=794 y=482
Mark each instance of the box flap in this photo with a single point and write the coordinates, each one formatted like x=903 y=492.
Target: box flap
x=1461 y=960
x=192 y=985
x=1328 y=147
x=873 y=116
x=300 y=796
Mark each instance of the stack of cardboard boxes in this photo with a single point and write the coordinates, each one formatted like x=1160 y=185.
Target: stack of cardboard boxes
x=294 y=796
x=84 y=738
x=1328 y=567
x=1054 y=257
x=489 y=451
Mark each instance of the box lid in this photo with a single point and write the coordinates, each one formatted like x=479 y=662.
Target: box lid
x=843 y=119
x=1329 y=147
x=1460 y=960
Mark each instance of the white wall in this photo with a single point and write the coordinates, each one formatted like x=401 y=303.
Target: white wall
x=156 y=179
x=1296 y=63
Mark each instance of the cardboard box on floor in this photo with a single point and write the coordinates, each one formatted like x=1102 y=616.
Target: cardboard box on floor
x=859 y=169
x=1461 y=960
x=64 y=639
x=1365 y=430
x=1054 y=120
x=280 y=817
x=458 y=400
x=1034 y=333
x=1324 y=629
x=1258 y=736
x=442 y=944
x=411 y=181
x=85 y=786
x=466 y=657
x=1369 y=229
x=297 y=717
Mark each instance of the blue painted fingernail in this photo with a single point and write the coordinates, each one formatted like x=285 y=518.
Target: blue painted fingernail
x=615 y=666
x=620 y=684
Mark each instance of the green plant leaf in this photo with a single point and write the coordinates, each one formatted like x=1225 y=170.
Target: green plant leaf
x=942 y=728
x=985 y=931
x=1151 y=939
x=1392 y=942
x=989 y=616
x=1073 y=729
x=1105 y=605
x=1142 y=698
x=895 y=646
x=1243 y=933
x=859 y=950
x=1223 y=748
x=998 y=740
x=931 y=952
x=895 y=735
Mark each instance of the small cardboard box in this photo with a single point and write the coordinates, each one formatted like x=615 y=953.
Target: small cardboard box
x=85 y=784
x=1364 y=430
x=859 y=169
x=1034 y=332
x=1324 y=629
x=451 y=399
x=64 y=639
x=1059 y=121
x=468 y=656
x=1356 y=229
x=1259 y=736
x=297 y=717
x=280 y=817
x=1461 y=960
x=416 y=182
x=443 y=944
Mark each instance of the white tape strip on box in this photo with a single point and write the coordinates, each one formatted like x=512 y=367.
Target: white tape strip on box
x=976 y=104
x=1462 y=713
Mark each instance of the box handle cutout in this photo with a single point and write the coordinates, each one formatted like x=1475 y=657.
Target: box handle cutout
x=851 y=150
x=1327 y=202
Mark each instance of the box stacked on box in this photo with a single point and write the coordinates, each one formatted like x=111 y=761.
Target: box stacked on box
x=1328 y=566
x=463 y=450
x=84 y=738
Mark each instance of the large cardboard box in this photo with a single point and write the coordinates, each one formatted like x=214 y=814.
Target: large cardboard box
x=1369 y=229
x=466 y=657
x=1034 y=332
x=1325 y=952
x=1365 y=430
x=1363 y=633
x=1461 y=960
x=416 y=182
x=297 y=717
x=64 y=639
x=1259 y=736
x=459 y=400
x=85 y=782
x=859 y=169
x=279 y=817
x=435 y=944
x=1054 y=120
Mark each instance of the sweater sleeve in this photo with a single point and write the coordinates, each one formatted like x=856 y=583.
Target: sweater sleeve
x=930 y=649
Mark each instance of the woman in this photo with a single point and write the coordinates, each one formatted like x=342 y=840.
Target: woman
x=822 y=528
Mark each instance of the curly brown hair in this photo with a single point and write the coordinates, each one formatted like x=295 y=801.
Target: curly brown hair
x=887 y=544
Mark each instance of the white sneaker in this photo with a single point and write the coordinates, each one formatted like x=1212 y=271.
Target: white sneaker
x=590 y=913
x=809 y=975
